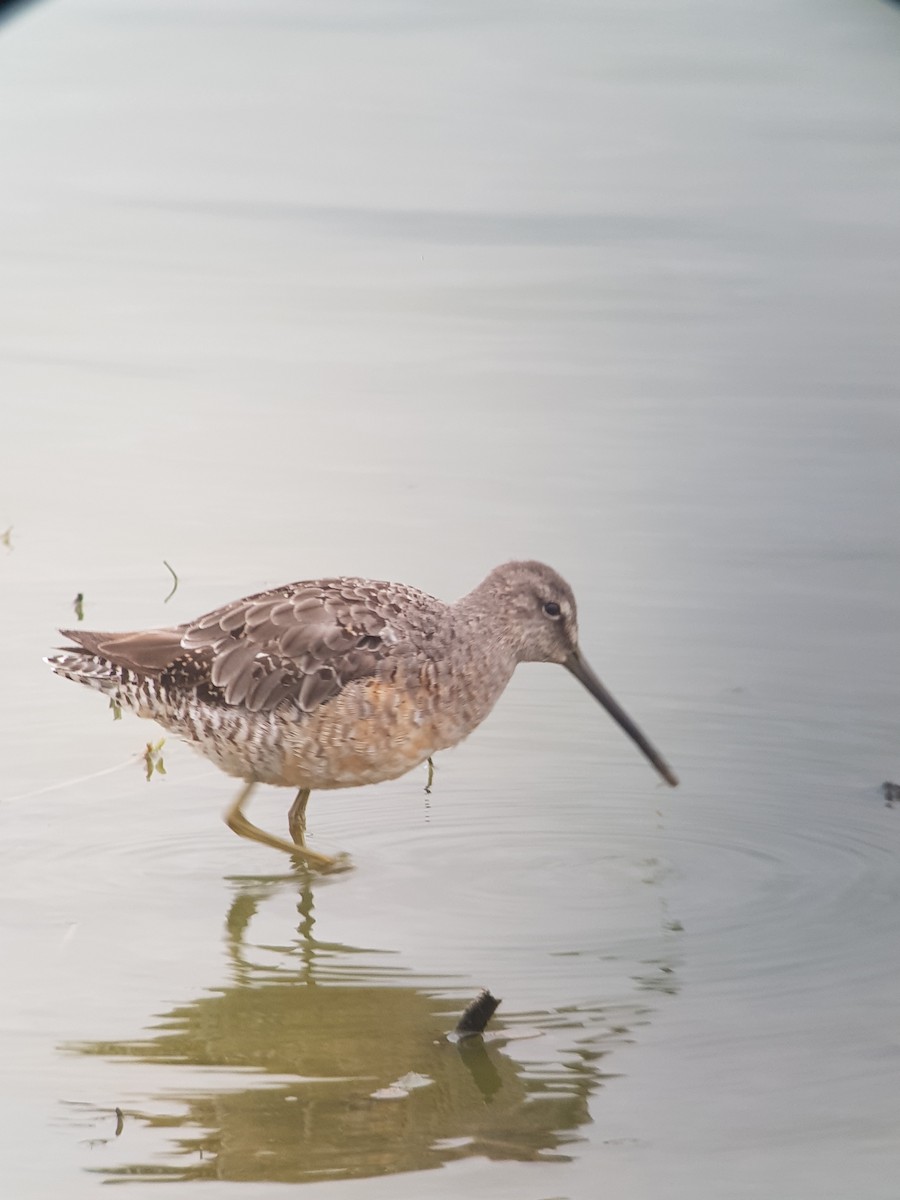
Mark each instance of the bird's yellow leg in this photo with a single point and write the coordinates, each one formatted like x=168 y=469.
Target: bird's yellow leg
x=297 y=817
x=239 y=823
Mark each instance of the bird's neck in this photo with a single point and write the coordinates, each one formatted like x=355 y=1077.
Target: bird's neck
x=485 y=652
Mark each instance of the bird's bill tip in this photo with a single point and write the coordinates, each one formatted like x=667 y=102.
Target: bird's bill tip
x=667 y=773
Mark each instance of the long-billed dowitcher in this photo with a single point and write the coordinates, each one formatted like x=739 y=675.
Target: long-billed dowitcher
x=335 y=683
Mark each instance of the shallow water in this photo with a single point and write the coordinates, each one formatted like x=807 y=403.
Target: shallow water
x=292 y=290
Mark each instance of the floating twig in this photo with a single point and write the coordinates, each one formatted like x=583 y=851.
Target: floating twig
x=430 y=779
x=174 y=582
x=56 y=787
x=120 y=1121
x=78 y=605
x=116 y=710
x=477 y=1014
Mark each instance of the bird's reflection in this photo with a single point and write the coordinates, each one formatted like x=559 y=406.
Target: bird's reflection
x=282 y=1073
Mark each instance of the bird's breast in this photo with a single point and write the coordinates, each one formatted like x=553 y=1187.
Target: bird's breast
x=378 y=729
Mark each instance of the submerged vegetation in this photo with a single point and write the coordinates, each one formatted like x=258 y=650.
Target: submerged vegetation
x=174 y=582
x=153 y=759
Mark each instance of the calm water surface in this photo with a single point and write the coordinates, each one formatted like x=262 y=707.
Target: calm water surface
x=296 y=289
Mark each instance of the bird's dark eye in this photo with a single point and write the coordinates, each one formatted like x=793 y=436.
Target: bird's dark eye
x=552 y=609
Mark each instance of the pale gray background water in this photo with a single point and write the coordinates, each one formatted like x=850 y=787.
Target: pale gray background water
x=405 y=290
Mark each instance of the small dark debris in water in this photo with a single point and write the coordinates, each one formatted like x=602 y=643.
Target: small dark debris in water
x=78 y=605
x=430 y=779
x=116 y=710
x=477 y=1014
x=120 y=1121
x=6 y=537
x=174 y=582
x=891 y=793
x=153 y=759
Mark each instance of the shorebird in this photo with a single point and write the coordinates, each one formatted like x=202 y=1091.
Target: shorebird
x=334 y=683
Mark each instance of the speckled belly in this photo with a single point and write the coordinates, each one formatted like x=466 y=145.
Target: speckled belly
x=374 y=730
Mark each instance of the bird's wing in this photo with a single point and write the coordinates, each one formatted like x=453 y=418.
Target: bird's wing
x=306 y=641
x=144 y=651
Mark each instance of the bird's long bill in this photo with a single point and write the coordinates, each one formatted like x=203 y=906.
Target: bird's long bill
x=582 y=672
